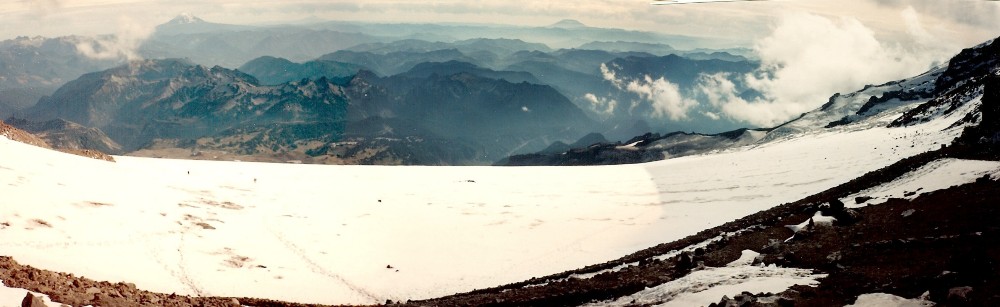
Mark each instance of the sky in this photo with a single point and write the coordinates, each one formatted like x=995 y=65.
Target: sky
x=964 y=20
x=809 y=48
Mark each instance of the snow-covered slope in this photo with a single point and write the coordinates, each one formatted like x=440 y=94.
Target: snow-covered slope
x=856 y=106
x=707 y=286
x=364 y=234
x=937 y=175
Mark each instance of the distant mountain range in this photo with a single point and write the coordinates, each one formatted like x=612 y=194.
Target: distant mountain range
x=500 y=47
x=149 y=99
x=271 y=70
x=576 y=73
x=32 y=67
x=155 y=105
x=35 y=67
x=210 y=43
x=728 y=54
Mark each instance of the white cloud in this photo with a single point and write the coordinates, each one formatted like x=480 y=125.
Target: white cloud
x=124 y=44
x=610 y=76
x=711 y=115
x=604 y=106
x=808 y=57
x=663 y=96
x=717 y=88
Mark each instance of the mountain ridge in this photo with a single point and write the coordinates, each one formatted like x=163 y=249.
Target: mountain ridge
x=178 y=109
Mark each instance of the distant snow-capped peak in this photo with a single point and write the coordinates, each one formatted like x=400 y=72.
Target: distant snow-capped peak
x=185 y=18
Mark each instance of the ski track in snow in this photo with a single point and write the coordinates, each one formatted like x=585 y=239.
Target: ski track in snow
x=326 y=234
x=182 y=272
x=316 y=268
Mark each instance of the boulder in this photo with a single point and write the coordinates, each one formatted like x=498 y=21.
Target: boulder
x=31 y=300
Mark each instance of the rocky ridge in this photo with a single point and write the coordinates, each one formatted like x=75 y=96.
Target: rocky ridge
x=22 y=136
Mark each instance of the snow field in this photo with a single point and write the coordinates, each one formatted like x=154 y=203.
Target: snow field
x=364 y=234
x=311 y=233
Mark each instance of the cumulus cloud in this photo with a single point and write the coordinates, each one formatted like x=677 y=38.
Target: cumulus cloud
x=807 y=58
x=124 y=44
x=610 y=76
x=665 y=97
x=601 y=105
x=662 y=95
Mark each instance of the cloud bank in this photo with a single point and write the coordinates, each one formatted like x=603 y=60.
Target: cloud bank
x=809 y=57
x=974 y=13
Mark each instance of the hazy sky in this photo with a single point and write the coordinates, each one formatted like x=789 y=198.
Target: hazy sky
x=965 y=21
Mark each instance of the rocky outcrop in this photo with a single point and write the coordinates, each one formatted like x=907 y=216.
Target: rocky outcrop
x=31 y=300
x=22 y=136
x=63 y=134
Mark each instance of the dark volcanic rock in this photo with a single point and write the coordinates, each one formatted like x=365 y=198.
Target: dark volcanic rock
x=968 y=65
x=30 y=300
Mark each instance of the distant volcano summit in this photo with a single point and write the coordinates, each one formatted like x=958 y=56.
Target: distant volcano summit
x=185 y=18
x=188 y=23
x=569 y=24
